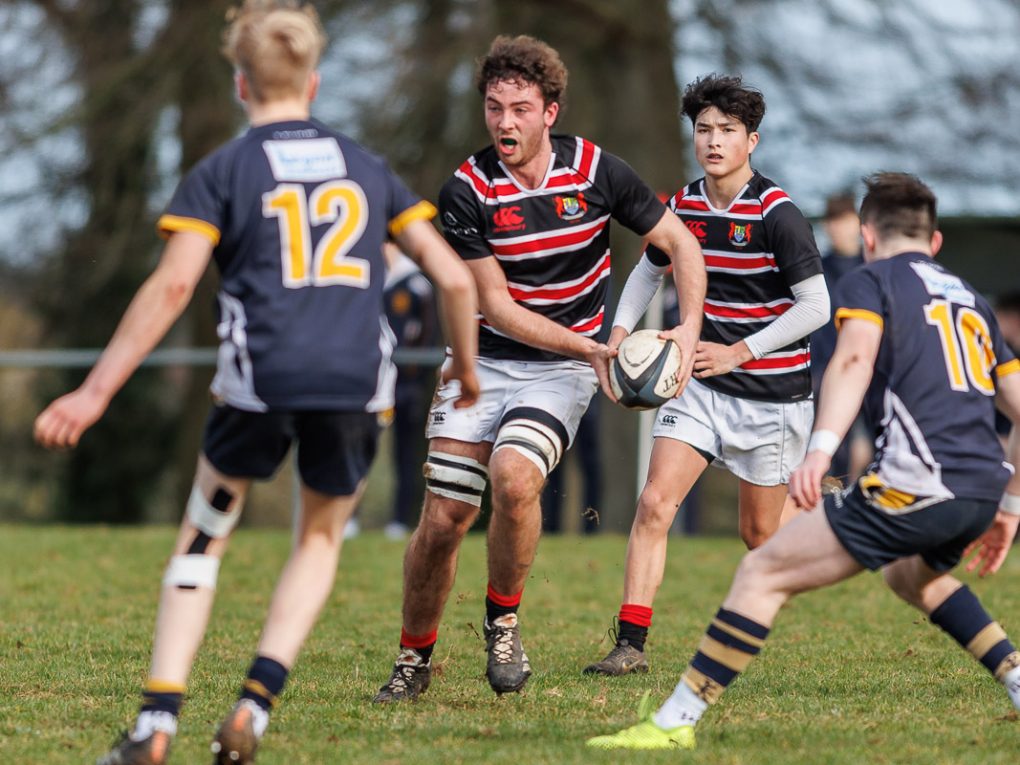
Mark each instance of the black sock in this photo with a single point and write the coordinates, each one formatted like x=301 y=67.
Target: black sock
x=634 y=634
x=497 y=604
x=425 y=652
x=264 y=682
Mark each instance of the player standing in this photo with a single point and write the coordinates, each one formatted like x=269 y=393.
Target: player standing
x=530 y=215
x=295 y=215
x=748 y=408
x=923 y=352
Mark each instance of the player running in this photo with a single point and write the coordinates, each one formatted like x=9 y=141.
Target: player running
x=530 y=215
x=924 y=353
x=295 y=216
x=748 y=408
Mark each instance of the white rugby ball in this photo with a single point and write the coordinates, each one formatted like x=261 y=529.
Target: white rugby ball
x=646 y=372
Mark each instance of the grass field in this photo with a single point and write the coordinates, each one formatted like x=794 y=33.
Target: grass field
x=849 y=675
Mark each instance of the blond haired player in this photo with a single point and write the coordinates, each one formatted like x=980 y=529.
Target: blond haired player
x=295 y=216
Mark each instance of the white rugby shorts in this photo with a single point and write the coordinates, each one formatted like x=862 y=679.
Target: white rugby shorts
x=560 y=389
x=761 y=442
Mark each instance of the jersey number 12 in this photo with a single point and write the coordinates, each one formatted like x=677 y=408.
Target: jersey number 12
x=341 y=203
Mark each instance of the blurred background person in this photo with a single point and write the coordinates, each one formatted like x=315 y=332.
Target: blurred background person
x=843 y=229
x=411 y=312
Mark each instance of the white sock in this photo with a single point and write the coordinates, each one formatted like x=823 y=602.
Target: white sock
x=259 y=717
x=1012 y=682
x=150 y=722
x=682 y=708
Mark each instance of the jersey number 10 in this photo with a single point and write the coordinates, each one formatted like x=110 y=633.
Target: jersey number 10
x=341 y=203
x=966 y=345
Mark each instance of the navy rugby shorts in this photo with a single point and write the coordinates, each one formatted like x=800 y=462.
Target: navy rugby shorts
x=939 y=533
x=334 y=449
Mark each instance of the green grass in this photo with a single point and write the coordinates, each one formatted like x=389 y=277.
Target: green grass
x=849 y=676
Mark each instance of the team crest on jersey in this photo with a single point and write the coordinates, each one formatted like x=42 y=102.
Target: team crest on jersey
x=571 y=208
x=508 y=219
x=740 y=235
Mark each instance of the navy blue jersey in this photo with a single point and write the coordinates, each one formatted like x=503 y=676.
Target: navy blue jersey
x=754 y=250
x=298 y=214
x=551 y=242
x=931 y=400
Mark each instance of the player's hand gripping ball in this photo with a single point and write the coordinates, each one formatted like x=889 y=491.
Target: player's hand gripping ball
x=646 y=372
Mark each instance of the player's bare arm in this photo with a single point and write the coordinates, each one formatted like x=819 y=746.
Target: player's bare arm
x=510 y=318
x=458 y=303
x=156 y=306
x=991 y=548
x=672 y=237
x=845 y=382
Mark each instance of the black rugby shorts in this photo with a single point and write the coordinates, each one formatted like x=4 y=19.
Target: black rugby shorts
x=939 y=533
x=334 y=449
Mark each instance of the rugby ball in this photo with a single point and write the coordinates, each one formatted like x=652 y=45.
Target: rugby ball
x=646 y=372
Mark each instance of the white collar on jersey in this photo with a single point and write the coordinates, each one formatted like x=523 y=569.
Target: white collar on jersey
x=737 y=198
x=541 y=187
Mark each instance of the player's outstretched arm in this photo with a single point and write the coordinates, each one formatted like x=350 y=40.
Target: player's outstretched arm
x=672 y=237
x=458 y=301
x=844 y=384
x=153 y=310
x=992 y=547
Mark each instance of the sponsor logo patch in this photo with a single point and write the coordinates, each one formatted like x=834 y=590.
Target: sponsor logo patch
x=316 y=159
x=940 y=284
x=455 y=227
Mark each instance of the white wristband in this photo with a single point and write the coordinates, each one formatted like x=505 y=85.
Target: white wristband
x=824 y=441
x=1010 y=503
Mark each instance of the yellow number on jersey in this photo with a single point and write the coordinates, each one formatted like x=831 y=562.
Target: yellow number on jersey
x=966 y=346
x=341 y=203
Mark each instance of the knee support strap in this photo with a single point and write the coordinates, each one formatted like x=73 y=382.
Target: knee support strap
x=189 y=572
x=215 y=518
x=540 y=442
x=455 y=477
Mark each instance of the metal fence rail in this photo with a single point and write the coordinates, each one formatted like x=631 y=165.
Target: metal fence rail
x=77 y=358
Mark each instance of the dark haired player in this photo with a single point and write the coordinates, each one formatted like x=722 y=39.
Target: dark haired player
x=295 y=216
x=530 y=216
x=924 y=353
x=748 y=408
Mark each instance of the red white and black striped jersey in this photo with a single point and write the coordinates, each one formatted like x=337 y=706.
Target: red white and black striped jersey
x=552 y=242
x=754 y=250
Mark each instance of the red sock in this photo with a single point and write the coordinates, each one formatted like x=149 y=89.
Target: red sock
x=640 y=616
x=497 y=604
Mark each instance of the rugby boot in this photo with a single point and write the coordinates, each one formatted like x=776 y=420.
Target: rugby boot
x=622 y=660
x=236 y=740
x=152 y=750
x=646 y=734
x=411 y=677
x=507 y=669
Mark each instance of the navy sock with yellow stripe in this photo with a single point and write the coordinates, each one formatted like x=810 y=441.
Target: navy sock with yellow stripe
x=962 y=616
x=729 y=644
x=160 y=696
x=265 y=681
